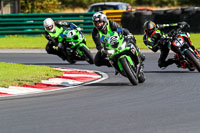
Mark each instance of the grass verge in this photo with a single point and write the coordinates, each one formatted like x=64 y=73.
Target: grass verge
x=39 y=42
x=18 y=74
x=31 y=42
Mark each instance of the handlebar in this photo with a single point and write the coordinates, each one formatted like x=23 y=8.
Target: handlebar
x=176 y=31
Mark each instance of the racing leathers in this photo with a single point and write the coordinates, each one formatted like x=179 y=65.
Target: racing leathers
x=52 y=38
x=158 y=41
x=100 y=58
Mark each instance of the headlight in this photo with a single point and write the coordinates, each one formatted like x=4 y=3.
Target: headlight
x=79 y=29
x=179 y=42
x=110 y=52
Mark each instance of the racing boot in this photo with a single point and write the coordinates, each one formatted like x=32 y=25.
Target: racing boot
x=197 y=52
x=116 y=72
x=142 y=56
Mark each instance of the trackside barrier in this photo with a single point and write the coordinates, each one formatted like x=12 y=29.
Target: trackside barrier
x=134 y=21
x=32 y=24
x=114 y=15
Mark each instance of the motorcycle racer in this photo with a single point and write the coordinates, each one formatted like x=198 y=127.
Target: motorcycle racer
x=52 y=31
x=155 y=38
x=104 y=27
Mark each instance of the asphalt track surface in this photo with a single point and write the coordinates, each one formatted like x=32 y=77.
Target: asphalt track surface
x=167 y=102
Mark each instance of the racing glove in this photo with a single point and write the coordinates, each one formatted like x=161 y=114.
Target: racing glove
x=63 y=23
x=78 y=29
x=130 y=36
x=183 y=25
x=159 y=26
x=48 y=37
x=102 y=52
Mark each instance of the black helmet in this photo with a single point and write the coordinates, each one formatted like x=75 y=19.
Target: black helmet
x=149 y=27
x=98 y=18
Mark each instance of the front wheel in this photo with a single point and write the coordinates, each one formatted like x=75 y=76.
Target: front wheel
x=193 y=59
x=87 y=54
x=130 y=73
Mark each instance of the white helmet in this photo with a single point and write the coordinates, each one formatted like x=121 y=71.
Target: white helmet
x=49 y=25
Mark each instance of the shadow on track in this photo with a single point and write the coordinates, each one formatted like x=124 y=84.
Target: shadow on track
x=170 y=72
x=109 y=84
x=61 y=64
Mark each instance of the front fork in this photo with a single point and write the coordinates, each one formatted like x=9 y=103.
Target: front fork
x=140 y=65
x=137 y=68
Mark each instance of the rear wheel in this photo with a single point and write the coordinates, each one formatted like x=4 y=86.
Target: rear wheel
x=87 y=54
x=193 y=59
x=130 y=73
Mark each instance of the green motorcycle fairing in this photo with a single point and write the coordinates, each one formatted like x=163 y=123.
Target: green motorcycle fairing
x=74 y=38
x=129 y=60
x=120 y=47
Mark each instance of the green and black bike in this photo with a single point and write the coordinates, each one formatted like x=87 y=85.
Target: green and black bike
x=124 y=56
x=75 y=48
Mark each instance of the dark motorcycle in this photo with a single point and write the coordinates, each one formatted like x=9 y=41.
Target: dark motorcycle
x=181 y=45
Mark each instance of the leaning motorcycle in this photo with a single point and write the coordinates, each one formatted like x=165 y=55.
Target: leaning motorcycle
x=185 y=54
x=124 y=57
x=74 y=46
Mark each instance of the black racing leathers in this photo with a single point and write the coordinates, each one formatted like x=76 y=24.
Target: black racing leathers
x=54 y=41
x=100 y=58
x=158 y=41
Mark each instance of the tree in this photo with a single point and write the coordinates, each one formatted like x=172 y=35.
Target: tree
x=86 y=3
x=38 y=6
x=189 y=2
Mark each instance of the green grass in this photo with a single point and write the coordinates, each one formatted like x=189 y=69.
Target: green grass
x=26 y=42
x=39 y=42
x=18 y=74
x=31 y=42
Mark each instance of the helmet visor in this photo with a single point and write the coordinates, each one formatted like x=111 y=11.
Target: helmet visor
x=99 y=24
x=49 y=27
x=149 y=31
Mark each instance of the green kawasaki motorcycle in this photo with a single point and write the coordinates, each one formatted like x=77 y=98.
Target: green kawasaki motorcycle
x=124 y=57
x=75 y=48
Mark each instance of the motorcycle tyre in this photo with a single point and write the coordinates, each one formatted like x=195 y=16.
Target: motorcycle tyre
x=192 y=57
x=130 y=73
x=88 y=54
